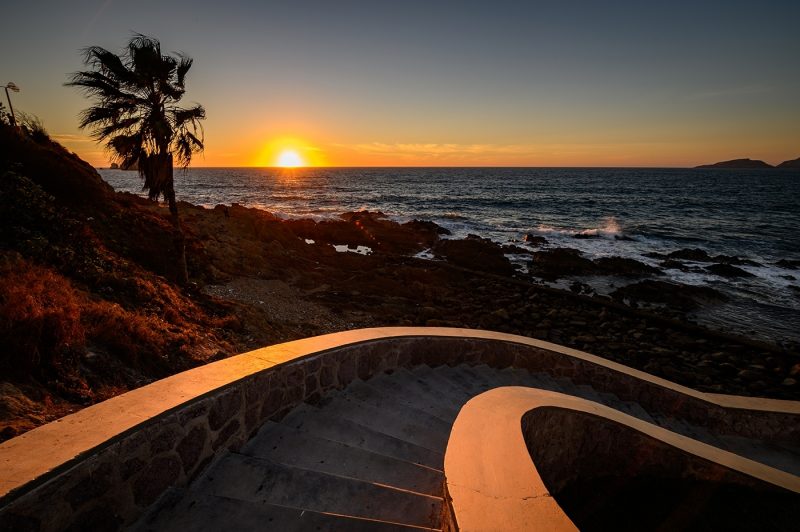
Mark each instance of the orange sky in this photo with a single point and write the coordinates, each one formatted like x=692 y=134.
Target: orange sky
x=444 y=83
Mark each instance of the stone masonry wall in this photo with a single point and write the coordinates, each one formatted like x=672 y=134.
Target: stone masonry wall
x=117 y=482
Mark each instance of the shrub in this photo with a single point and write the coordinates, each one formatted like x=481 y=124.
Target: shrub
x=40 y=320
x=34 y=127
x=139 y=340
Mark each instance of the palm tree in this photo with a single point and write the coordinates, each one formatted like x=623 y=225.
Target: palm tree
x=135 y=114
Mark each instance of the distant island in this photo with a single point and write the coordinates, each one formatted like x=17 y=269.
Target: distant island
x=738 y=163
x=794 y=163
x=751 y=163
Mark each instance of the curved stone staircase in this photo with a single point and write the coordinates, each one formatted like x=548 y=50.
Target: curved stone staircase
x=370 y=457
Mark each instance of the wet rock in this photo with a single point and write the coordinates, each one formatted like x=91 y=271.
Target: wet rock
x=585 y=235
x=535 y=240
x=426 y=227
x=515 y=250
x=726 y=270
x=581 y=288
x=694 y=254
x=681 y=296
x=552 y=264
x=789 y=264
x=474 y=253
x=625 y=267
x=734 y=260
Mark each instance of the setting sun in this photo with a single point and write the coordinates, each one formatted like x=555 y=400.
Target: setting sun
x=289 y=159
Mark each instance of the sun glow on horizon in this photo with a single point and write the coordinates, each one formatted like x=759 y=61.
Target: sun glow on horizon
x=289 y=159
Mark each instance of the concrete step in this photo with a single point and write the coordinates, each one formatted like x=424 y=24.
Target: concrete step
x=482 y=372
x=385 y=400
x=402 y=381
x=256 y=480
x=199 y=512
x=284 y=445
x=324 y=424
x=400 y=422
x=467 y=380
x=539 y=380
x=392 y=391
x=436 y=376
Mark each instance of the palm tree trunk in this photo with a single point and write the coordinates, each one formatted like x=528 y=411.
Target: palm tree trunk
x=177 y=231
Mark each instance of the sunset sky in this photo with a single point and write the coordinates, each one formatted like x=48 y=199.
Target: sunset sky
x=436 y=83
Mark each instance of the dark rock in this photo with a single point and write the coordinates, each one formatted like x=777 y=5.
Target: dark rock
x=625 y=267
x=515 y=250
x=535 y=240
x=474 y=253
x=734 y=261
x=552 y=264
x=726 y=270
x=671 y=264
x=581 y=288
x=624 y=238
x=426 y=227
x=680 y=296
x=586 y=235
x=695 y=254
x=788 y=264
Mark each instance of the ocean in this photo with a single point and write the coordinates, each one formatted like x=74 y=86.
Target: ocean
x=630 y=212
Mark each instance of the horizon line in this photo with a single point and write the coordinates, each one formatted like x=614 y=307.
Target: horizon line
x=634 y=167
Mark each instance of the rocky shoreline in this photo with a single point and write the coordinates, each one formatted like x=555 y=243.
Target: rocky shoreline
x=89 y=307
x=472 y=283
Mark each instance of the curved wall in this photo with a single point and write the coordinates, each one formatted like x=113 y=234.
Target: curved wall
x=109 y=462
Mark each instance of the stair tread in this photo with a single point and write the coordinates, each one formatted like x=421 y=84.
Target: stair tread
x=389 y=391
x=444 y=402
x=395 y=422
x=258 y=480
x=202 y=512
x=325 y=424
x=285 y=445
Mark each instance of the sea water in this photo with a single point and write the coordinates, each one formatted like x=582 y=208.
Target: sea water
x=627 y=212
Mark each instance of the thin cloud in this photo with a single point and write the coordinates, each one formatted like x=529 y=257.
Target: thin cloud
x=733 y=91
x=72 y=138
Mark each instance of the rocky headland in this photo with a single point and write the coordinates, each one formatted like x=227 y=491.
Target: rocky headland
x=89 y=308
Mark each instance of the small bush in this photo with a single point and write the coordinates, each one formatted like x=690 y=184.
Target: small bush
x=141 y=341
x=34 y=127
x=40 y=320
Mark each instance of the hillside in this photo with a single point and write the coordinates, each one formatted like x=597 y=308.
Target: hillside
x=86 y=308
x=794 y=163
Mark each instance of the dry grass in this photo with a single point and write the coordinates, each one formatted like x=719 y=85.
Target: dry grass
x=40 y=320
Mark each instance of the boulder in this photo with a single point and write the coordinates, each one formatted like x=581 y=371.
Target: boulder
x=788 y=264
x=552 y=264
x=535 y=240
x=726 y=270
x=474 y=253
x=695 y=254
x=679 y=296
x=625 y=267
